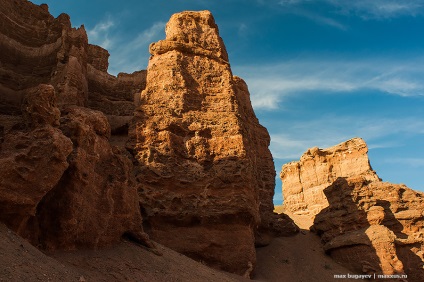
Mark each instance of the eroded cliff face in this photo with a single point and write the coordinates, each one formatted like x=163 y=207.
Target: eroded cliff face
x=205 y=172
x=304 y=181
x=365 y=224
x=63 y=185
x=203 y=175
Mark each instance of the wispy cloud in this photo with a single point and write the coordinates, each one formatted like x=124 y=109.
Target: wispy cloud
x=330 y=130
x=99 y=34
x=269 y=84
x=127 y=54
x=410 y=162
x=134 y=54
x=380 y=9
x=366 y=9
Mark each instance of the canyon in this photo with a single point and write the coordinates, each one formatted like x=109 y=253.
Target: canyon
x=166 y=173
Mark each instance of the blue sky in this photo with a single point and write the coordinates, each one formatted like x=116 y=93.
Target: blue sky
x=319 y=71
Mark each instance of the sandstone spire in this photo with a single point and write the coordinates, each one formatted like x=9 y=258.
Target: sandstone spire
x=205 y=172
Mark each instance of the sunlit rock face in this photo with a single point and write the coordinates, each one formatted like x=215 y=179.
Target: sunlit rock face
x=304 y=181
x=206 y=176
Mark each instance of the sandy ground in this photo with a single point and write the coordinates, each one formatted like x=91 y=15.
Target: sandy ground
x=20 y=261
x=299 y=258
x=294 y=259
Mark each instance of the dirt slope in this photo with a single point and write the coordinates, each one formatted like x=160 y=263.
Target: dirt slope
x=299 y=258
x=19 y=261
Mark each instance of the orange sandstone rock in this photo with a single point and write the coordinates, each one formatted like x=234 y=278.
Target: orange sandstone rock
x=205 y=174
x=305 y=180
x=365 y=224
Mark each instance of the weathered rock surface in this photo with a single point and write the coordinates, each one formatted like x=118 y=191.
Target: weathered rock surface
x=305 y=180
x=62 y=184
x=114 y=96
x=392 y=217
x=36 y=48
x=367 y=225
x=95 y=203
x=33 y=160
x=205 y=172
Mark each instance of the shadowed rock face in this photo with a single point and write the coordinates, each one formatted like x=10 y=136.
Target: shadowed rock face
x=62 y=185
x=36 y=48
x=365 y=224
x=205 y=172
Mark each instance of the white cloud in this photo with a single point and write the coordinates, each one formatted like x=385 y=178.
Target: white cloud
x=269 y=84
x=368 y=9
x=133 y=55
x=380 y=9
x=126 y=55
x=330 y=130
x=99 y=34
x=410 y=162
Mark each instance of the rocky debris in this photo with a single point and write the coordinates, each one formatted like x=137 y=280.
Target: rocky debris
x=20 y=261
x=367 y=225
x=305 y=180
x=205 y=174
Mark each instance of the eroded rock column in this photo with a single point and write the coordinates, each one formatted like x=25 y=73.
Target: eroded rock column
x=204 y=163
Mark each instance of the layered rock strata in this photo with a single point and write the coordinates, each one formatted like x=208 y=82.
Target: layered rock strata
x=304 y=181
x=36 y=48
x=62 y=184
x=205 y=172
x=112 y=95
x=367 y=225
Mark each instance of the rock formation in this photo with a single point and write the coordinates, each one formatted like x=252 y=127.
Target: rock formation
x=367 y=225
x=114 y=96
x=205 y=176
x=62 y=184
x=204 y=173
x=304 y=181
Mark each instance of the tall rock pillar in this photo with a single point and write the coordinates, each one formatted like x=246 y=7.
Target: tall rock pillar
x=205 y=173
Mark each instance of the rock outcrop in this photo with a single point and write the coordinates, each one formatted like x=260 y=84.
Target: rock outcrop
x=205 y=176
x=62 y=184
x=36 y=48
x=112 y=95
x=32 y=160
x=365 y=224
x=304 y=181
